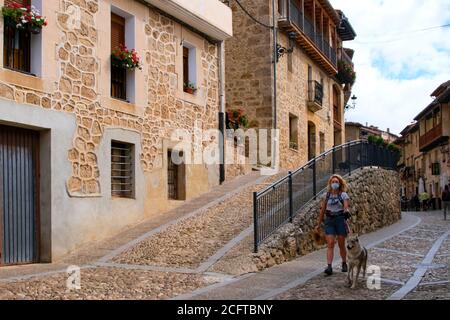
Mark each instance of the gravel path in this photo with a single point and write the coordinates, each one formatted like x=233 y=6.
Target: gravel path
x=106 y=284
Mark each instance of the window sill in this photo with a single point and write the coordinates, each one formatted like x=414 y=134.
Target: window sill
x=196 y=98
x=122 y=106
x=294 y=150
x=22 y=79
x=121 y=198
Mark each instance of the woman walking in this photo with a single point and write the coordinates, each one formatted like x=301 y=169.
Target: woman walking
x=334 y=211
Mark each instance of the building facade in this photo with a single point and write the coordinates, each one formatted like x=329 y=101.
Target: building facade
x=85 y=142
x=426 y=149
x=357 y=131
x=313 y=75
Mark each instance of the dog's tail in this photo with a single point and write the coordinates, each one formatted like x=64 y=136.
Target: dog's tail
x=364 y=263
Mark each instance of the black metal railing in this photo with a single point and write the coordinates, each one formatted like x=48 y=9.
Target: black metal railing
x=315 y=92
x=282 y=201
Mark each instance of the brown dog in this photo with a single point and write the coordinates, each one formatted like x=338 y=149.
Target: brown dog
x=357 y=259
x=319 y=237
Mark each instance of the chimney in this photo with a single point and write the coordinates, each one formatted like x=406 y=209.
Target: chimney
x=388 y=130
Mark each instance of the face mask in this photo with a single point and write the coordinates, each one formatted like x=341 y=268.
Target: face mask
x=335 y=186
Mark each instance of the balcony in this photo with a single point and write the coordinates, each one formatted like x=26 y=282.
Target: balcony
x=212 y=17
x=315 y=96
x=312 y=40
x=432 y=138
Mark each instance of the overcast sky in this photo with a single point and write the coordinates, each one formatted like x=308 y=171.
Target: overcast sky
x=397 y=66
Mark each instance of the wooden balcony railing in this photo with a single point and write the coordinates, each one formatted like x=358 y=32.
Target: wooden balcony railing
x=313 y=41
x=431 y=136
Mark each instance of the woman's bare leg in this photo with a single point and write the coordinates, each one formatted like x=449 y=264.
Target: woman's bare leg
x=342 y=249
x=330 y=248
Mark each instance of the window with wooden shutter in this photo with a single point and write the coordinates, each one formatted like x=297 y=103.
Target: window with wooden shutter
x=118 y=75
x=17 y=44
x=117 y=31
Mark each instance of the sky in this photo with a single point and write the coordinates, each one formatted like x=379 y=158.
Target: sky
x=397 y=66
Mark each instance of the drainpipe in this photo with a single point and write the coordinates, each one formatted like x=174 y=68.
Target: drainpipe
x=274 y=98
x=222 y=110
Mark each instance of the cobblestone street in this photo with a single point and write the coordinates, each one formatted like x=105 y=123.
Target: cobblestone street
x=399 y=258
x=400 y=251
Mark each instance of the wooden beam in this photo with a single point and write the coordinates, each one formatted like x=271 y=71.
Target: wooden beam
x=314 y=16
x=303 y=16
x=321 y=25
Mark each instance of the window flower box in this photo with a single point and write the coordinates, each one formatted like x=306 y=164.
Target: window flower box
x=125 y=59
x=189 y=88
x=23 y=18
x=346 y=74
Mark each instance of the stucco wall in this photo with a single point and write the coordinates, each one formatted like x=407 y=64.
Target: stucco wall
x=374 y=203
x=71 y=99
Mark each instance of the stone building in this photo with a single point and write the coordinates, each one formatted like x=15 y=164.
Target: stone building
x=85 y=144
x=357 y=131
x=425 y=145
x=314 y=73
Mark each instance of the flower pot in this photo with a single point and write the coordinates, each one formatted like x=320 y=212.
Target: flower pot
x=189 y=90
x=34 y=29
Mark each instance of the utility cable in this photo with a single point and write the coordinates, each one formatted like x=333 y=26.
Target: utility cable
x=251 y=17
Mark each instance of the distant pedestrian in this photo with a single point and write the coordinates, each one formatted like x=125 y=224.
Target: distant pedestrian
x=424 y=198
x=416 y=203
x=446 y=200
x=335 y=212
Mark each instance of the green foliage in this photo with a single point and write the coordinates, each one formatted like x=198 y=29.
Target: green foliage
x=236 y=119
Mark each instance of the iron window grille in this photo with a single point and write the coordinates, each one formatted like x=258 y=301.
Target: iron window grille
x=122 y=173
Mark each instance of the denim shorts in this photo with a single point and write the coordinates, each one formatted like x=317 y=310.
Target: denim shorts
x=336 y=226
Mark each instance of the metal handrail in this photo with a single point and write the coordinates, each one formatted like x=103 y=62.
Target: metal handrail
x=334 y=149
x=280 y=202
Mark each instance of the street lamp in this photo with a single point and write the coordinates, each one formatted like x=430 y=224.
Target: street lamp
x=353 y=105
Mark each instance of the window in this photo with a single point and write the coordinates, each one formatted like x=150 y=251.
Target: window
x=122 y=173
x=189 y=69
x=322 y=142
x=17 y=44
x=175 y=176
x=293 y=132
x=118 y=74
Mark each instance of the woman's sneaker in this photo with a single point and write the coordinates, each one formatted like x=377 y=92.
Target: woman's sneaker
x=344 y=267
x=329 y=271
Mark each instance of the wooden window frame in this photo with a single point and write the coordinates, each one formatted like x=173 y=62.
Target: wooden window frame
x=293 y=132
x=17 y=45
x=118 y=75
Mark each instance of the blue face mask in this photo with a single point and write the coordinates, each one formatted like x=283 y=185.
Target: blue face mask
x=335 y=186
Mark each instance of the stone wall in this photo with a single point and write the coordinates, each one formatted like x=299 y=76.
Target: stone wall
x=292 y=86
x=248 y=63
x=374 y=204
x=249 y=84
